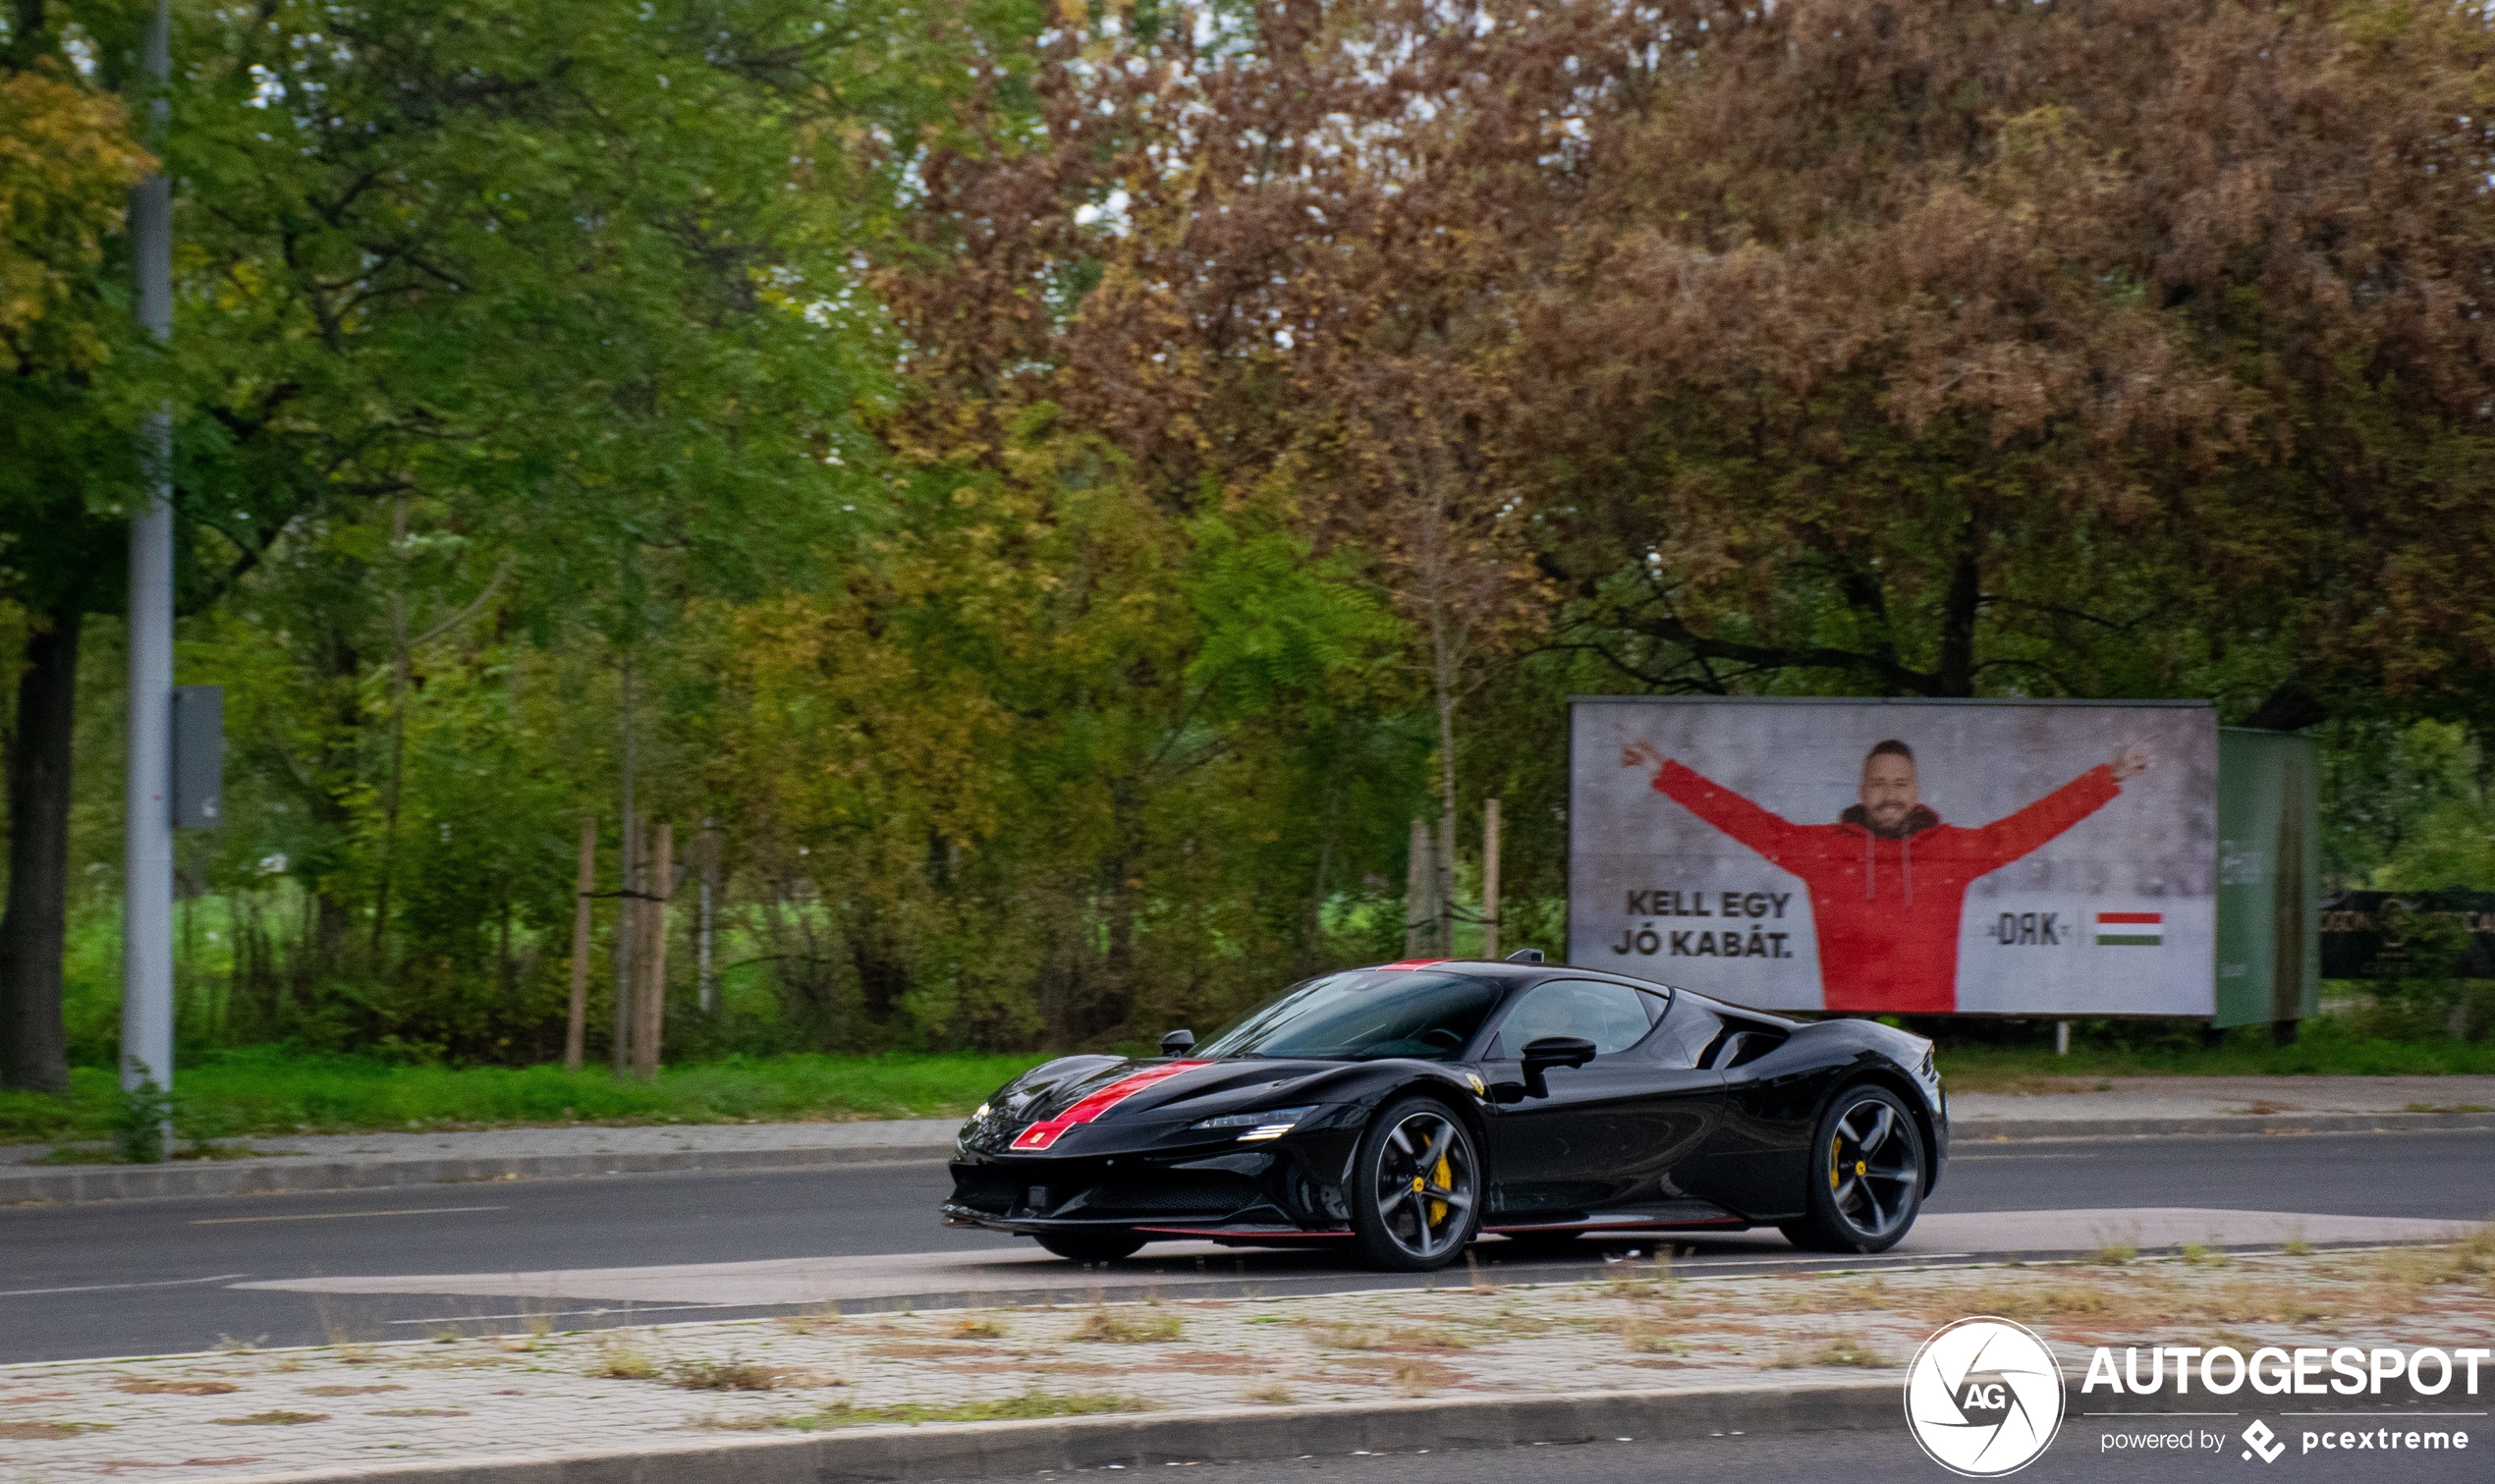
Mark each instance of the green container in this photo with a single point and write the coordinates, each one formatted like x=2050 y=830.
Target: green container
x=2269 y=877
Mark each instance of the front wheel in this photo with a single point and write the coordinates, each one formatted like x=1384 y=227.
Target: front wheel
x=1416 y=1189
x=1868 y=1181
x=1093 y=1246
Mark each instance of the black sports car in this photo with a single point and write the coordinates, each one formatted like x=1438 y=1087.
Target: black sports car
x=1404 y=1109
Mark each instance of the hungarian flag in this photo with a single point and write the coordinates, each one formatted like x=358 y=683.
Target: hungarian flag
x=2131 y=929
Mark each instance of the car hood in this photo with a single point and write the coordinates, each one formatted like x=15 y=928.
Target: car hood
x=1035 y=1110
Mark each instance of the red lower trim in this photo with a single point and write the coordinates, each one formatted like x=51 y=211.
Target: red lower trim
x=1274 y=1235
x=1622 y=1226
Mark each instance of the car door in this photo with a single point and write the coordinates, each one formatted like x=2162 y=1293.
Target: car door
x=1610 y=1132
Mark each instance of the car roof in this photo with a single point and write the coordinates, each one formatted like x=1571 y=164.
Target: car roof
x=1515 y=974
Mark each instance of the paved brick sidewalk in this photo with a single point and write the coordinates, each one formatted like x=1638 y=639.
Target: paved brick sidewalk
x=522 y=1395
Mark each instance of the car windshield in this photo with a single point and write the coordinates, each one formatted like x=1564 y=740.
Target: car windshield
x=1364 y=1015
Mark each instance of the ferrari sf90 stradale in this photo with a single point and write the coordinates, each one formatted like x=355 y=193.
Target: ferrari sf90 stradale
x=1402 y=1110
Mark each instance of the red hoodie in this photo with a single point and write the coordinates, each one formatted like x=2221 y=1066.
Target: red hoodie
x=1886 y=906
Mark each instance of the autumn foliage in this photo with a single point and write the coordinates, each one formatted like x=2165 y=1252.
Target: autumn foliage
x=1069 y=487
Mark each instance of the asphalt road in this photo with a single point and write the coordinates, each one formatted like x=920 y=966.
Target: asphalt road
x=2078 y=1454
x=148 y=1277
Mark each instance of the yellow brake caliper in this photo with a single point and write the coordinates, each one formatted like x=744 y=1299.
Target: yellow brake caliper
x=1446 y=1181
x=1834 y=1144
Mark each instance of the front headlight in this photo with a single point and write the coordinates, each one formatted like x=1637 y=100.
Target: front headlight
x=1270 y=1123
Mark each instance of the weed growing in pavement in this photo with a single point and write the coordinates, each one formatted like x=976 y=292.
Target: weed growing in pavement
x=1002 y=1409
x=422 y=1411
x=272 y=1419
x=978 y=1327
x=2197 y=1255
x=2115 y=1254
x=822 y=1316
x=620 y=1360
x=1153 y=1325
x=1273 y=1395
x=1837 y=1351
x=227 y=1344
x=143 y=1387
x=1341 y=1336
x=46 y=1432
x=1418 y=1378
x=729 y=1375
x=2298 y=1247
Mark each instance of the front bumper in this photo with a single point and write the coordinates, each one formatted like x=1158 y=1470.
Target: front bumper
x=1208 y=1187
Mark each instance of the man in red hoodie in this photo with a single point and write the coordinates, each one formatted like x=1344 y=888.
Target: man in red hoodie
x=1888 y=878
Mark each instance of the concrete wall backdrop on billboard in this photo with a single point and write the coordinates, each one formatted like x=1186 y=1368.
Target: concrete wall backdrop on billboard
x=2012 y=857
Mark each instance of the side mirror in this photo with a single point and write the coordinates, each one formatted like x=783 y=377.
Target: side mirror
x=1526 y=956
x=1549 y=1052
x=1178 y=1043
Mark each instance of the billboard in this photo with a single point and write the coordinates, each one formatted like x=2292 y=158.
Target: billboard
x=1991 y=857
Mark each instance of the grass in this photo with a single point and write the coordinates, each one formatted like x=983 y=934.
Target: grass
x=1004 y=1409
x=729 y=1375
x=227 y=1096
x=2325 y=1048
x=1839 y=1351
x=1150 y=1324
x=620 y=1360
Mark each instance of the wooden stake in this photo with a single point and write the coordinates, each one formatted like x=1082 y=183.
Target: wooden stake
x=576 y=1029
x=1420 y=913
x=650 y=999
x=1490 y=879
x=628 y=943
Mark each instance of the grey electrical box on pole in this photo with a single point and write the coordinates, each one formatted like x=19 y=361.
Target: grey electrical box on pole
x=147 y=952
x=198 y=757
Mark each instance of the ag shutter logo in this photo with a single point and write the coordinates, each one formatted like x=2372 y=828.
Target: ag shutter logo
x=1983 y=1398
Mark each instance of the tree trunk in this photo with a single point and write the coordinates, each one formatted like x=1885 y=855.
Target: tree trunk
x=33 y=1046
x=627 y=915
x=1959 y=614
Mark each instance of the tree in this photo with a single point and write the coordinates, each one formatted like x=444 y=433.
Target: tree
x=67 y=160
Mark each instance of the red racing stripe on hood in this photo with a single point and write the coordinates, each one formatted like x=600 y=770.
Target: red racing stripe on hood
x=1041 y=1135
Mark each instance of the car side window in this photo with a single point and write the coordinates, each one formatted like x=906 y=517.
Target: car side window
x=1613 y=1017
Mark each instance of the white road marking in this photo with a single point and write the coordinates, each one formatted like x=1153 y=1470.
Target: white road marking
x=237 y=1221
x=107 y=1288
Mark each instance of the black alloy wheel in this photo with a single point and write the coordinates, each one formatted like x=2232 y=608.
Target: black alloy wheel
x=1867 y=1180
x=1093 y=1246
x=1416 y=1190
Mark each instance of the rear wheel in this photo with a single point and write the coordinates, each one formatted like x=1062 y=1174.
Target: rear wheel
x=1093 y=1246
x=1867 y=1179
x=1416 y=1187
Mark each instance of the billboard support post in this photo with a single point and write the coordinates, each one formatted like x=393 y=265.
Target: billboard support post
x=2270 y=956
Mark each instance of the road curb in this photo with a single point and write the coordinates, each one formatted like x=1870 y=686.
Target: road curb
x=81 y=1183
x=964 y=1449
x=2220 y=1126
x=100 y=1183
